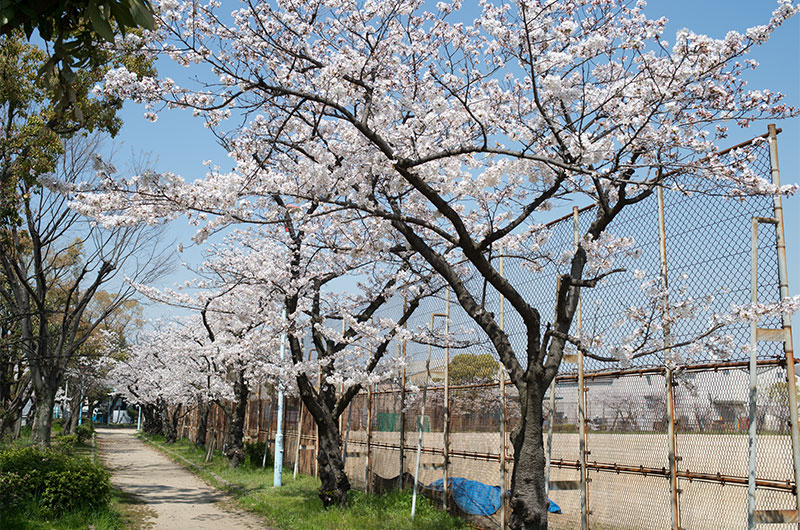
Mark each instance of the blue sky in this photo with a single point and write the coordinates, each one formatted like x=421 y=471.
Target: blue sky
x=181 y=143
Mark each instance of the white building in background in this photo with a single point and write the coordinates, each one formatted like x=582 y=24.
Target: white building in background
x=704 y=400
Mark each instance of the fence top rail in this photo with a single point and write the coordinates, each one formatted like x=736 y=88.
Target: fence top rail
x=725 y=151
x=643 y=371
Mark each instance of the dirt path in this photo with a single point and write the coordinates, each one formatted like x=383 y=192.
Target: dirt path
x=178 y=499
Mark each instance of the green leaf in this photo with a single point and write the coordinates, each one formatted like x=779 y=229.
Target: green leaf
x=99 y=23
x=142 y=15
x=122 y=14
x=67 y=74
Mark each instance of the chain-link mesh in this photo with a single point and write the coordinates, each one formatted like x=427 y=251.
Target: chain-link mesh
x=630 y=422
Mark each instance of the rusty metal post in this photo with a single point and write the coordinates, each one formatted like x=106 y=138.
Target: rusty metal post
x=753 y=396
x=247 y=410
x=367 y=471
x=403 y=397
x=783 y=278
x=421 y=421
x=502 y=374
x=260 y=411
x=347 y=432
x=341 y=385
x=299 y=440
x=549 y=453
x=672 y=440
x=581 y=397
x=316 y=438
x=446 y=426
x=502 y=383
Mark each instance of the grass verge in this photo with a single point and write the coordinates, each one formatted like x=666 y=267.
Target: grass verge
x=31 y=516
x=296 y=506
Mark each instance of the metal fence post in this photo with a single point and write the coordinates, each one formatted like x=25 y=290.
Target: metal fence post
x=753 y=395
x=403 y=397
x=299 y=440
x=341 y=385
x=581 y=397
x=259 y=419
x=277 y=470
x=316 y=437
x=421 y=421
x=269 y=427
x=247 y=410
x=672 y=441
x=446 y=426
x=367 y=472
x=783 y=278
x=502 y=375
x=549 y=453
x=502 y=384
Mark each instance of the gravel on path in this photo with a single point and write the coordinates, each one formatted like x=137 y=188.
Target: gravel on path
x=179 y=499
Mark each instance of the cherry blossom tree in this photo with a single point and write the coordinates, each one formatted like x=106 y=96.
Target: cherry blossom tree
x=308 y=271
x=460 y=134
x=163 y=373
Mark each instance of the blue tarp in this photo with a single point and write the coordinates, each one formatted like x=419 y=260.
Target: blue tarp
x=476 y=498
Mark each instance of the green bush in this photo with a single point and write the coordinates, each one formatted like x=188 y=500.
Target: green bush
x=82 y=486
x=12 y=489
x=255 y=453
x=61 y=481
x=66 y=442
x=84 y=432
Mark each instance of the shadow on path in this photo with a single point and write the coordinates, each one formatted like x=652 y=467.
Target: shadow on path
x=178 y=498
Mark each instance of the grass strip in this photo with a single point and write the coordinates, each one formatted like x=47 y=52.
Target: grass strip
x=295 y=505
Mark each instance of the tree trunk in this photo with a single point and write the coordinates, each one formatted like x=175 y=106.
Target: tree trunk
x=170 y=422
x=43 y=417
x=11 y=415
x=74 y=415
x=235 y=445
x=153 y=424
x=203 y=410
x=529 y=504
x=8 y=420
x=335 y=485
x=17 y=427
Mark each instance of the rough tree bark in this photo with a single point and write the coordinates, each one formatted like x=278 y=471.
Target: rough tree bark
x=11 y=413
x=43 y=417
x=152 y=424
x=235 y=446
x=335 y=485
x=45 y=386
x=528 y=488
x=170 y=422
x=203 y=410
x=72 y=418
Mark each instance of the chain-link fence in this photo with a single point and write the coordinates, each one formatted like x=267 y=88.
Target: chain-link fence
x=665 y=433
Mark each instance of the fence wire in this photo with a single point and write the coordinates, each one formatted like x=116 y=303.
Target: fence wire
x=627 y=418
